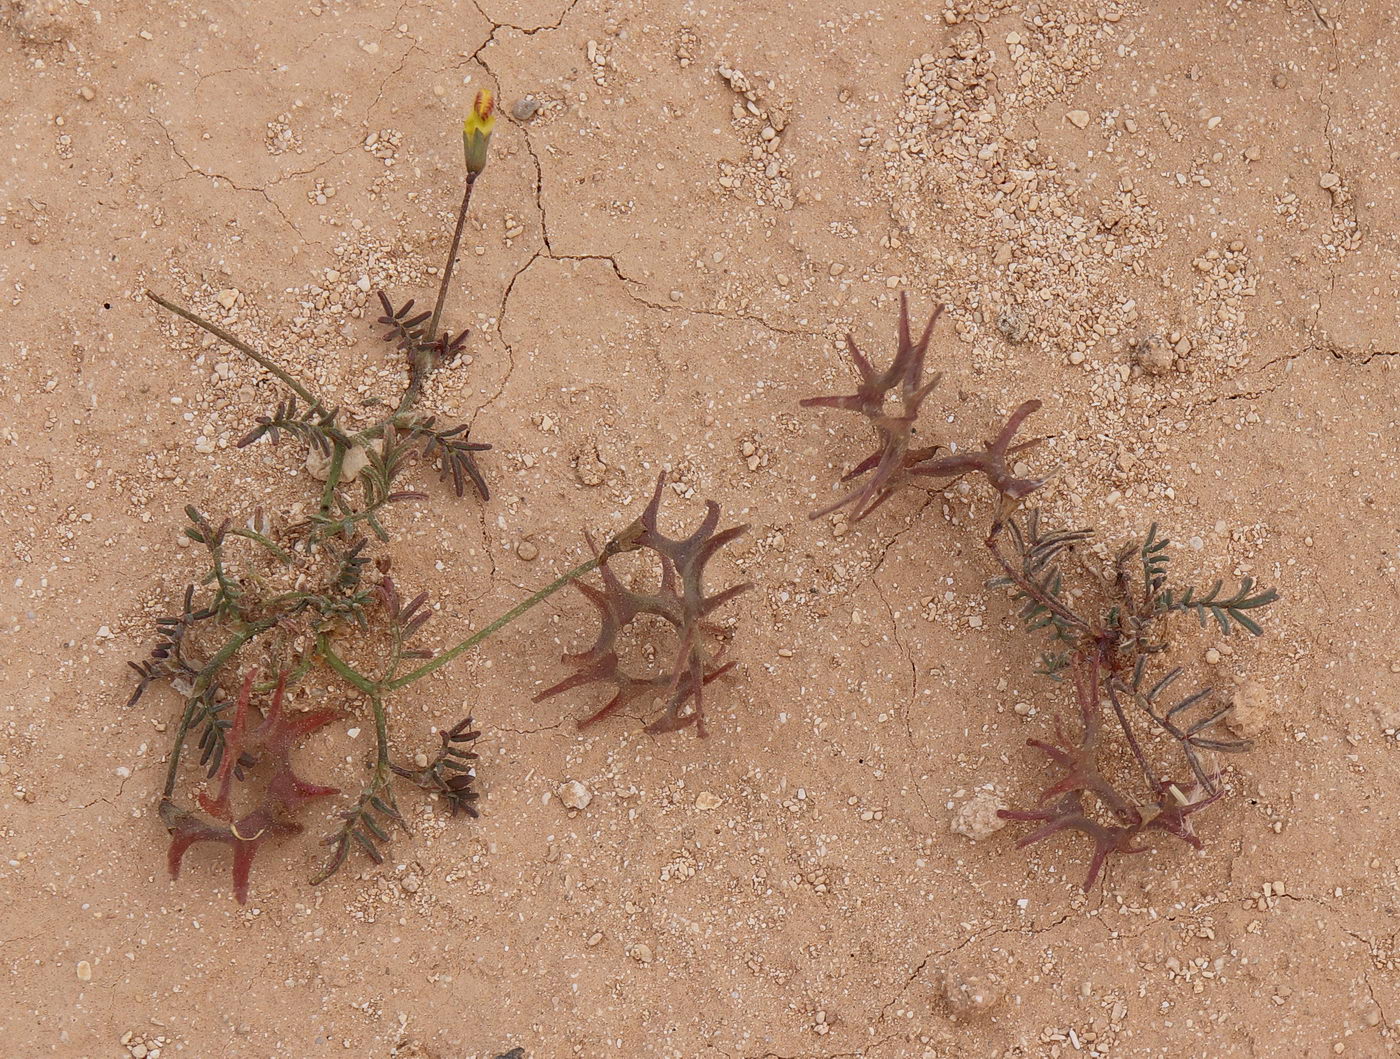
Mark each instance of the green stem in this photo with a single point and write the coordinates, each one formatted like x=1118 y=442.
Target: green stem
x=238 y=344
x=343 y=669
x=500 y=623
x=201 y=684
x=254 y=535
x=381 y=735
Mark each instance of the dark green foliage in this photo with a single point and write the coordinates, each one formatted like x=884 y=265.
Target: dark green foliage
x=313 y=425
x=451 y=773
x=454 y=453
x=366 y=825
x=167 y=659
x=1224 y=611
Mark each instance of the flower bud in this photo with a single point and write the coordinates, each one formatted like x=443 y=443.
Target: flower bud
x=476 y=131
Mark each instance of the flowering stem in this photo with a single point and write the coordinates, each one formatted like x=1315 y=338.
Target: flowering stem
x=431 y=333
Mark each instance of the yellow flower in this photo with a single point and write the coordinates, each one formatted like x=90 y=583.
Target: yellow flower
x=476 y=131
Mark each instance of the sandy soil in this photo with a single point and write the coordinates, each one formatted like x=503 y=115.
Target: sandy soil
x=654 y=281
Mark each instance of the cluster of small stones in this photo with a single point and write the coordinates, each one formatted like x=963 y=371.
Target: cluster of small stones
x=139 y=1046
x=1047 y=260
x=761 y=125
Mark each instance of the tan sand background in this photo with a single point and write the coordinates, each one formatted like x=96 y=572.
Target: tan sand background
x=664 y=260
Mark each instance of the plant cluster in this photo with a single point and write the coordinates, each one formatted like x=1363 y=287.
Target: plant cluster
x=309 y=602
x=306 y=609
x=1105 y=624
x=894 y=463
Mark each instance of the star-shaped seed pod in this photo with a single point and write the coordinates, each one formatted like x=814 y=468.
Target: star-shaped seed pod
x=679 y=600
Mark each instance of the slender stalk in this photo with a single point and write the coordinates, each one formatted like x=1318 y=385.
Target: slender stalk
x=419 y=368
x=202 y=682
x=238 y=344
x=1132 y=739
x=342 y=668
x=431 y=333
x=500 y=623
x=381 y=736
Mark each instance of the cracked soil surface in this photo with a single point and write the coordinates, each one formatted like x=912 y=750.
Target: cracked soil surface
x=1175 y=222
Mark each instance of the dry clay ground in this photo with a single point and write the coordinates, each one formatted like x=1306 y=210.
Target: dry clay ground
x=663 y=261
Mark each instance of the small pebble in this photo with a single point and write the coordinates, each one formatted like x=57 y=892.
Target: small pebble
x=84 y=971
x=575 y=795
x=1012 y=325
x=527 y=550
x=87 y=93
x=977 y=817
x=1153 y=355
x=1078 y=118
x=706 y=801
x=524 y=108
x=1328 y=180
x=641 y=953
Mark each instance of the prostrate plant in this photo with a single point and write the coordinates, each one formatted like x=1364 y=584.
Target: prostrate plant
x=893 y=462
x=1105 y=631
x=302 y=601
x=268 y=746
x=684 y=609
